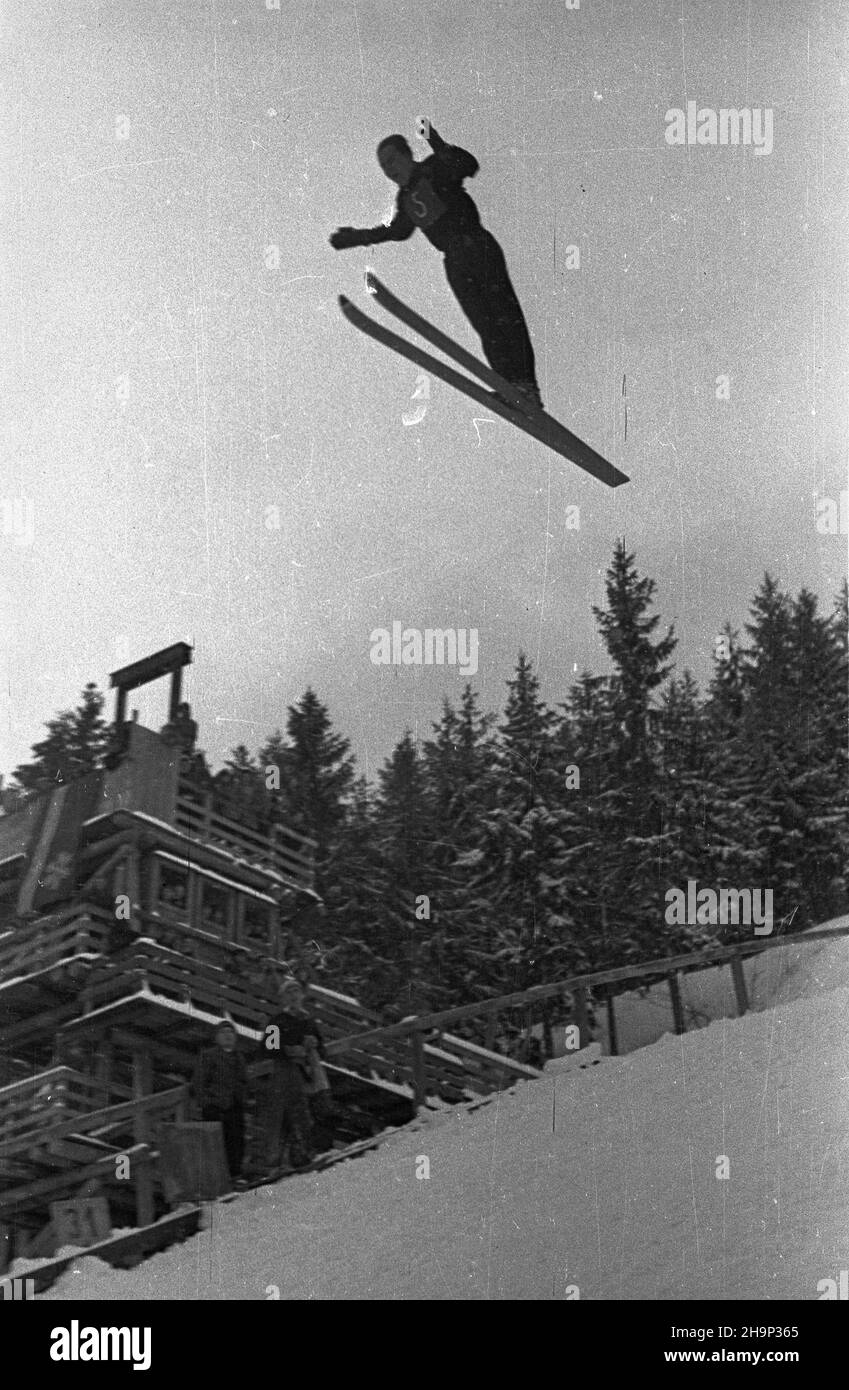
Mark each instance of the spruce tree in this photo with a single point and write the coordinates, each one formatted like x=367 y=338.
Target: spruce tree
x=316 y=775
x=461 y=789
x=817 y=756
x=632 y=804
x=75 y=744
x=403 y=834
x=528 y=936
x=770 y=750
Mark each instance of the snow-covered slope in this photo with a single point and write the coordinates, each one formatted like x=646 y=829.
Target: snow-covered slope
x=603 y=1178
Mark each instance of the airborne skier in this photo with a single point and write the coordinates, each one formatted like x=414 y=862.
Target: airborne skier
x=431 y=196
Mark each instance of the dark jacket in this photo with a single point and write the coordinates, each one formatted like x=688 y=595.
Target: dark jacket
x=220 y=1080
x=434 y=200
x=294 y=1028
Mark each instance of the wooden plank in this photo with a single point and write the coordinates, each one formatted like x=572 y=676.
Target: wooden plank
x=25 y=1193
x=101 y=1119
x=193 y=1161
x=418 y=1069
x=124 y=1250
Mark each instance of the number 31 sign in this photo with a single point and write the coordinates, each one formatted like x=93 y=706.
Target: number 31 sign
x=81 y=1221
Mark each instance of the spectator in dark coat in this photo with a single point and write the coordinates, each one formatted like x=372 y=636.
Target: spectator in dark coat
x=220 y=1089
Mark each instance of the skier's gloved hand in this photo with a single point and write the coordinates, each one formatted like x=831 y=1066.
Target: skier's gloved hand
x=345 y=237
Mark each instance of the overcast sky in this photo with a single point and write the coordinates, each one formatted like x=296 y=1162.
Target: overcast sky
x=166 y=387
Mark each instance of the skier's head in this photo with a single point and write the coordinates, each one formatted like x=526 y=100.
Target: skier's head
x=395 y=159
x=290 y=994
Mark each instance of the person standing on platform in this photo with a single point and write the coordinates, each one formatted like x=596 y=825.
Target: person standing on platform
x=290 y=1039
x=220 y=1089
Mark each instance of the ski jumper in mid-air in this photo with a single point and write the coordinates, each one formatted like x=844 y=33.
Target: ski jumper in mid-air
x=431 y=196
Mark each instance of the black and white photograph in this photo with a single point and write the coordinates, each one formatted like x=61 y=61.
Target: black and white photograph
x=424 y=686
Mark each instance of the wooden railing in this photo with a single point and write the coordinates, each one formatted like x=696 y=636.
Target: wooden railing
x=413 y=1032
x=29 y=1108
x=282 y=849
x=74 y=933
x=118 y=1126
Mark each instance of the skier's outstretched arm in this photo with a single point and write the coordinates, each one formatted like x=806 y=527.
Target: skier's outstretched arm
x=459 y=163
x=398 y=229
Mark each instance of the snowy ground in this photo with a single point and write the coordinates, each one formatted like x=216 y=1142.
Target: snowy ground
x=603 y=1178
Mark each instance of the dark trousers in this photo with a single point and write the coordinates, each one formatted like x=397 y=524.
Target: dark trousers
x=232 y=1123
x=477 y=273
x=289 y=1122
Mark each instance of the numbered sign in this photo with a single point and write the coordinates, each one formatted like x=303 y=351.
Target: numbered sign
x=81 y=1221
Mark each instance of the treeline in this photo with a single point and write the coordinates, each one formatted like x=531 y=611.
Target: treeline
x=510 y=851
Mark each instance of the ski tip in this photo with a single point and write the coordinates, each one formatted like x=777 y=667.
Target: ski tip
x=372 y=281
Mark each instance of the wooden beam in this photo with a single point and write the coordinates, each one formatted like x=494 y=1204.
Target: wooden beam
x=582 y=1016
x=419 y=1071
x=150 y=668
x=59 y=1182
x=166 y=1052
x=142 y=1088
x=677 y=1005
x=124 y=1250
x=611 y=1027
x=739 y=980
x=174 y=695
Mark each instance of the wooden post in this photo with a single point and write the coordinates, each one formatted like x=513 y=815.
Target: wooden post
x=143 y=1086
x=611 y=1027
x=740 y=992
x=581 y=1016
x=133 y=885
x=419 y=1074
x=547 y=1034
x=103 y=1074
x=176 y=684
x=677 y=1006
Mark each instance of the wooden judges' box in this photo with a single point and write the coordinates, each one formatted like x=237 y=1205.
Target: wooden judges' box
x=193 y=1162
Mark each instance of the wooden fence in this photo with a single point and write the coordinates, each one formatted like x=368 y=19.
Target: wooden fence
x=413 y=1032
x=282 y=849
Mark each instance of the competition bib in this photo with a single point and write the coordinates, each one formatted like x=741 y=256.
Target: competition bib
x=422 y=204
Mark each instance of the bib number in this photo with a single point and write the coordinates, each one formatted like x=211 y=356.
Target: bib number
x=423 y=205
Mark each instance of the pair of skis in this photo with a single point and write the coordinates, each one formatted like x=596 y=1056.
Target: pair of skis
x=539 y=425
